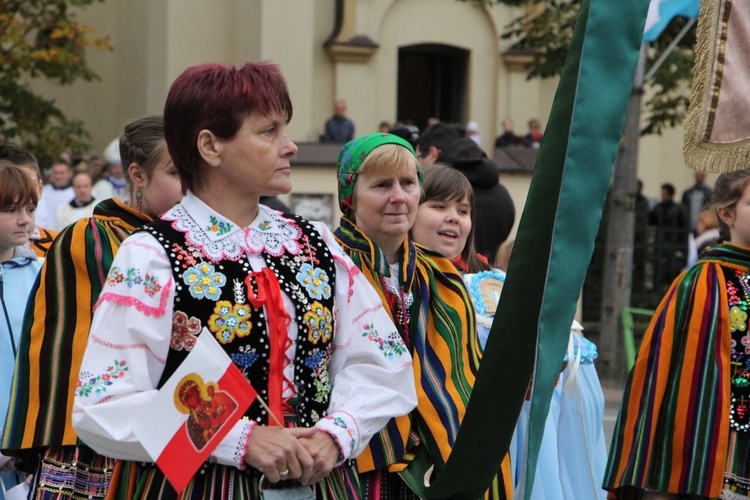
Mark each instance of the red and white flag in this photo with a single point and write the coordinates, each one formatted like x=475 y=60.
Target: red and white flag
x=193 y=411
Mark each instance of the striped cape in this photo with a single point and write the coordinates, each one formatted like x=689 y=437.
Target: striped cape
x=41 y=241
x=56 y=327
x=673 y=429
x=444 y=346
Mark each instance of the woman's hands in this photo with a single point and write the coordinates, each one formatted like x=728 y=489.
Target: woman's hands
x=304 y=454
x=323 y=450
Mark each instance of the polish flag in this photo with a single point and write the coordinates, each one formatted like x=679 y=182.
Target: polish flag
x=193 y=411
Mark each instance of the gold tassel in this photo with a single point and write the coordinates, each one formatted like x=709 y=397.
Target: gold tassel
x=698 y=152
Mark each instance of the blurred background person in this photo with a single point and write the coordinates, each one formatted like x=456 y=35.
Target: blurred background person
x=113 y=182
x=707 y=235
x=533 y=138
x=695 y=199
x=338 y=128
x=433 y=139
x=508 y=138
x=670 y=237
x=82 y=204
x=473 y=133
x=408 y=132
x=58 y=192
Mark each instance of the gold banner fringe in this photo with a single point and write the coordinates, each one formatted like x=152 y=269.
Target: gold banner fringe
x=698 y=152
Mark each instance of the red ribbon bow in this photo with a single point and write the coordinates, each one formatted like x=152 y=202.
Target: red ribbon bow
x=269 y=295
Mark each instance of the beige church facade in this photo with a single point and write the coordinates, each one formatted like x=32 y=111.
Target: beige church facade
x=388 y=59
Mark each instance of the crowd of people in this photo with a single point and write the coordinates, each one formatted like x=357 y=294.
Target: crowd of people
x=671 y=232
x=360 y=346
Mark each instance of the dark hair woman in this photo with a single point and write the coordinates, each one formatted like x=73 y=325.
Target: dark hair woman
x=264 y=286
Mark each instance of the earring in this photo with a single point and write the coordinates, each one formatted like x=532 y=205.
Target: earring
x=139 y=199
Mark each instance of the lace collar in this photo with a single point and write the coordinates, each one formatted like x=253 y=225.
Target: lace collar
x=218 y=238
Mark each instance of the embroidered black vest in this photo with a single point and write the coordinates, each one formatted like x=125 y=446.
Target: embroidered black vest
x=214 y=295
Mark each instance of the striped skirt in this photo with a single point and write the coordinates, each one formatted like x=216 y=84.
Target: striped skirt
x=218 y=482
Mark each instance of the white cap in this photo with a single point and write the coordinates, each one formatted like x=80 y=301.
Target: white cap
x=112 y=152
x=472 y=127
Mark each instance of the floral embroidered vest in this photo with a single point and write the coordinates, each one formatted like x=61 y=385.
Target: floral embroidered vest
x=738 y=291
x=215 y=295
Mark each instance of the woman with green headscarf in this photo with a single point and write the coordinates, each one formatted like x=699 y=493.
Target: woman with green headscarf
x=379 y=186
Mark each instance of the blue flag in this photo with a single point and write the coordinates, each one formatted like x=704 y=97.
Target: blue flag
x=660 y=12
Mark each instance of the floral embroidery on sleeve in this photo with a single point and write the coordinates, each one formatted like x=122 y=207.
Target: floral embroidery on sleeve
x=204 y=281
x=132 y=289
x=339 y=422
x=88 y=382
x=392 y=346
x=318 y=321
x=132 y=277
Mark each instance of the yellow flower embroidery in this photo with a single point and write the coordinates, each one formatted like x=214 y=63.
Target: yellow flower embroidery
x=229 y=321
x=737 y=319
x=318 y=321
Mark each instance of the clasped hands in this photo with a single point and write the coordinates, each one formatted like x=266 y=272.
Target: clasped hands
x=305 y=454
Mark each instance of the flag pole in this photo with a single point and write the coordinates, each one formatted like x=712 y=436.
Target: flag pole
x=265 y=407
x=663 y=57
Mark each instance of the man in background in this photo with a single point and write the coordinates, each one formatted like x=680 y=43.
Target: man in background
x=339 y=129
x=508 y=138
x=670 y=238
x=696 y=198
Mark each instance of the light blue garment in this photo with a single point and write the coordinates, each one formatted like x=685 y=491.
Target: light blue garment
x=547 y=481
x=17 y=276
x=10 y=479
x=573 y=453
x=582 y=447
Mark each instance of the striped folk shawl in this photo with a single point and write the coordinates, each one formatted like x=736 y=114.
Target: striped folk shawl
x=673 y=428
x=56 y=327
x=443 y=345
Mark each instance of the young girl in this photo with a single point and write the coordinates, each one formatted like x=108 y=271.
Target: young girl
x=38 y=430
x=571 y=461
x=18 y=269
x=445 y=224
x=683 y=426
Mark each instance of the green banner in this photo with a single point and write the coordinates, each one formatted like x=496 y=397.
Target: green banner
x=553 y=248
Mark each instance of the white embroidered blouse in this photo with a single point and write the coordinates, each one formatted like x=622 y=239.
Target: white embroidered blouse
x=133 y=325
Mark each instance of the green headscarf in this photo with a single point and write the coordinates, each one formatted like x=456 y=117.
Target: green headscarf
x=352 y=156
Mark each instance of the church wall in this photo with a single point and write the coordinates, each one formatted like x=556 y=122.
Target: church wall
x=155 y=40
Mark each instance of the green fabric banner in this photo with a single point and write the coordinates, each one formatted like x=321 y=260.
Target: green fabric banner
x=553 y=248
